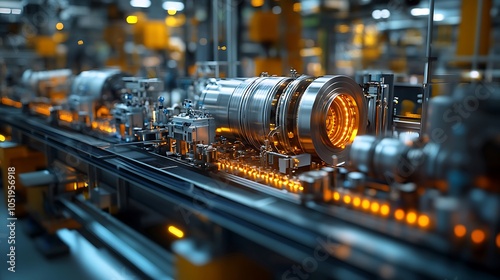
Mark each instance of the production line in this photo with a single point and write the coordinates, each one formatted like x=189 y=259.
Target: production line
x=277 y=162
x=200 y=159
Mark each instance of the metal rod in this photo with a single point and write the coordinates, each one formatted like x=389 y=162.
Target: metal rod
x=477 y=35
x=215 y=29
x=229 y=37
x=234 y=37
x=428 y=68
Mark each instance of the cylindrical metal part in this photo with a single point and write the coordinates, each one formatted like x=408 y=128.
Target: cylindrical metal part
x=32 y=80
x=94 y=89
x=315 y=181
x=332 y=174
x=321 y=177
x=361 y=152
x=215 y=100
x=355 y=179
x=308 y=183
x=298 y=115
x=378 y=157
x=210 y=155
x=37 y=178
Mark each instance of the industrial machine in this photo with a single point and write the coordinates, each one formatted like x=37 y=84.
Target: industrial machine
x=294 y=177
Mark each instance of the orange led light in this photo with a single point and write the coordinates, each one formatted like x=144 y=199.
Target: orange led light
x=375 y=207
x=477 y=236
x=175 y=231
x=411 y=218
x=59 y=26
x=257 y=3
x=296 y=7
x=356 y=202
x=460 y=230
x=42 y=109
x=498 y=240
x=65 y=116
x=365 y=204
x=9 y=102
x=336 y=196
x=384 y=210
x=347 y=199
x=399 y=214
x=423 y=221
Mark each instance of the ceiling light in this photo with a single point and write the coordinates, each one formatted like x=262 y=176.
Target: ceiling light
x=438 y=17
x=376 y=14
x=419 y=12
x=385 y=13
x=474 y=74
x=140 y=3
x=16 y=11
x=173 y=6
x=5 y=10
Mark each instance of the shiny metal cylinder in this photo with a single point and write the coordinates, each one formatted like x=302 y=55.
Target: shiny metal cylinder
x=36 y=80
x=37 y=178
x=315 y=181
x=331 y=112
x=215 y=100
x=94 y=89
x=379 y=158
x=98 y=84
x=297 y=115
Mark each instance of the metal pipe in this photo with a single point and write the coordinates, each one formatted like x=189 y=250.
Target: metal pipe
x=428 y=67
x=37 y=178
x=229 y=46
x=477 y=35
x=215 y=29
x=399 y=124
x=234 y=37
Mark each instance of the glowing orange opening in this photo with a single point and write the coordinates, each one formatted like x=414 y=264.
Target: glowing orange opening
x=342 y=121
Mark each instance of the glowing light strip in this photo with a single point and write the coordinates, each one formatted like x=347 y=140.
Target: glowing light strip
x=261 y=176
x=382 y=209
x=176 y=231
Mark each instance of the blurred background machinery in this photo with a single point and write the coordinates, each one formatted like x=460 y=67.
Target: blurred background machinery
x=253 y=139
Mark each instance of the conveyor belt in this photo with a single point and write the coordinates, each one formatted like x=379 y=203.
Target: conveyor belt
x=282 y=226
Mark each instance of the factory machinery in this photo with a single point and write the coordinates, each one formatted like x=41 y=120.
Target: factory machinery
x=293 y=177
